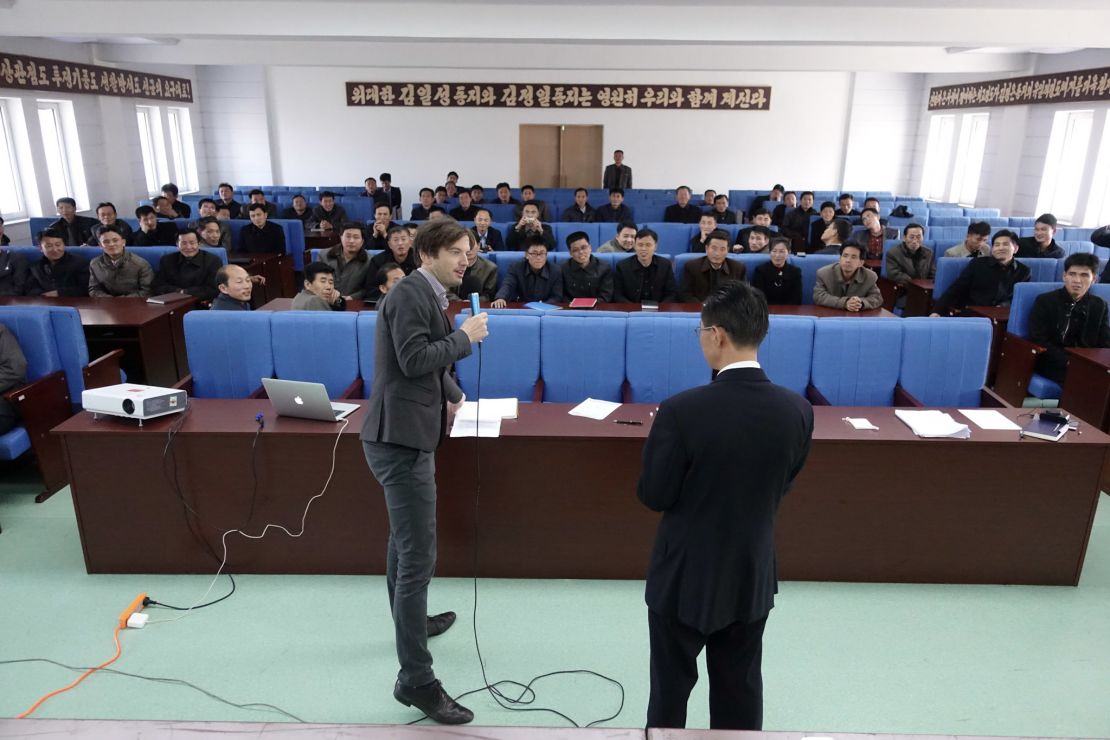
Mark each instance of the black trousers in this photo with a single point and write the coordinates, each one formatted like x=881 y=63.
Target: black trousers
x=734 y=660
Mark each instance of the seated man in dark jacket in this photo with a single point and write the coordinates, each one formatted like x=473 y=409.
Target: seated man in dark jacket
x=1043 y=242
x=533 y=278
x=645 y=277
x=585 y=276
x=57 y=272
x=528 y=226
x=682 y=211
x=152 y=232
x=704 y=275
x=77 y=229
x=188 y=270
x=260 y=236
x=235 y=287
x=986 y=281
x=1069 y=317
x=13 y=273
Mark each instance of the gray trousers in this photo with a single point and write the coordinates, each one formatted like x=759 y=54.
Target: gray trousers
x=408 y=477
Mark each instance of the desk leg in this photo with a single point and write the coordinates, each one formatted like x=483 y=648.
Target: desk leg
x=1087 y=392
x=156 y=347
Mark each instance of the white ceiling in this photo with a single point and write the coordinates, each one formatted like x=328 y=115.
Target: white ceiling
x=900 y=36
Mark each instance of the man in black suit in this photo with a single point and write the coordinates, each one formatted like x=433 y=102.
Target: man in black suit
x=77 y=228
x=986 y=281
x=152 y=232
x=717 y=462
x=412 y=395
x=618 y=174
x=489 y=238
x=682 y=211
x=646 y=276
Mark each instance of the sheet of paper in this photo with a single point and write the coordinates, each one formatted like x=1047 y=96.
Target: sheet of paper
x=990 y=419
x=472 y=426
x=933 y=423
x=592 y=408
x=860 y=423
x=491 y=408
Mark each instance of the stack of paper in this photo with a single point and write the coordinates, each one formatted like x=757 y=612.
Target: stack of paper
x=990 y=419
x=483 y=419
x=933 y=423
x=592 y=408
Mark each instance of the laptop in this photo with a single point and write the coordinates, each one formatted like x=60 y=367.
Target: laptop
x=305 y=400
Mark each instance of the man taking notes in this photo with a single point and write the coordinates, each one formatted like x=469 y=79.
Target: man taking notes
x=406 y=419
x=717 y=462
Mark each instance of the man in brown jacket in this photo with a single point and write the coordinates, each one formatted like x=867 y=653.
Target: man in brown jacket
x=847 y=284
x=704 y=275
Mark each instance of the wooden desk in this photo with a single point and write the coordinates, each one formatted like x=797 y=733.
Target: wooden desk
x=276 y=268
x=992 y=509
x=1000 y=317
x=919 y=298
x=151 y=336
x=1087 y=386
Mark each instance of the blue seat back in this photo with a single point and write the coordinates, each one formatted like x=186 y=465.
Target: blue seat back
x=229 y=352
x=34 y=333
x=582 y=357
x=809 y=265
x=787 y=351
x=1024 y=296
x=856 y=361
x=751 y=261
x=944 y=361
x=72 y=348
x=317 y=346
x=663 y=356
x=673 y=238
x=1041 y=269
x=510 y=357
x=948 y=269
x=365 y=326
x=562 y=230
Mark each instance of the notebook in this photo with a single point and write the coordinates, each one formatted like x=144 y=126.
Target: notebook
x=1040 y=428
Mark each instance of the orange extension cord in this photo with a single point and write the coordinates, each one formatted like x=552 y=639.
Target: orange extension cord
x=82 y=677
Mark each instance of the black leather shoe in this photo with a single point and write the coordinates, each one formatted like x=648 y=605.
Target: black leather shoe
x=433 y=701
x=440 y=623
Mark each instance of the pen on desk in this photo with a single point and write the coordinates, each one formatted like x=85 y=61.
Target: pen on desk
x=630 y=422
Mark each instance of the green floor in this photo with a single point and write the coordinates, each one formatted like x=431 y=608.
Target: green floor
x=838 y=657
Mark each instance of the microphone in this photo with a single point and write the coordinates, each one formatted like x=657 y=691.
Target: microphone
x=475 y=307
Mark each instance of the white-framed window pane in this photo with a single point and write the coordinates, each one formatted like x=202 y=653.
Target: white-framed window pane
x=12 y=203
x=969 y=158
x=181 y=147
x=938 y=157
x=1063 y=170
x=153 y=147
x=53 y=143
x=1098 y=205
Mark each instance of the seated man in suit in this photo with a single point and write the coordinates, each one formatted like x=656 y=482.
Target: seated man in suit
x=427 y=200
x=390 y=274
x=369 y=188
x=529 y=225
x=117 y=272
x=180 y=209
x=645 y=276
x=441 y=197
x=209 y=232
x=581 y=212
x=533 y=278
x=815 y=243
x=477 y=194
x=489 y=239
x=328 y=216
x=847 y=206
x=379 y=229
x=1043 y=242
x=13 y=374
x=707 y=224
x=227 y=200
x=760 y=217
x=77 y=229
x=769 y=201
x=585 y=276
x=319 y=292
x=206 y=211
x=708 y=197
x=105 y=215
x=528 y=193
x=847 y=284
x=13 y=273
x=260 y=236
x=398 y=250
x=759 y=240
x=722 y=212
x=682 y=211
x=624 y=242
x=1069 y=317
x=788 y=204
x=480 y=276
x=704 y=275
x=234 y=286
x=162 y=206
x=504 y=195
x=299 y=211
x=615 y=211
x=779 y=280
x=795 y=224
x=910 y=260
x=58 y=272
x=256 y=196
x=349 y=261
x=975 y=244
x=836 y=232
x=872 y=234
x=986 y=281
x=465 y=210
x=188 y=270
x=152 y=232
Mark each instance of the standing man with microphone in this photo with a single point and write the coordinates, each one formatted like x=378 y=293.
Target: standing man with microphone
x=413 y=393
x=717 y=462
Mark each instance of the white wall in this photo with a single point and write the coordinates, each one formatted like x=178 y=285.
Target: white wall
x=319 y=140
x=884 y=114
x=236 y=125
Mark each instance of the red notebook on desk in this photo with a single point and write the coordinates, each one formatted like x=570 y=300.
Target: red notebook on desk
x=583 y=303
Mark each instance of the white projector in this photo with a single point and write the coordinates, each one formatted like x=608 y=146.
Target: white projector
x=134 y=401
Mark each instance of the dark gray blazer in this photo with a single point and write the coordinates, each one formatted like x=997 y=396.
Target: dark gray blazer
x=414 y=350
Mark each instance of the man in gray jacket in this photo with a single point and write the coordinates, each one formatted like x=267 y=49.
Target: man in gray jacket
x=910 y=260
x=118 y=272
x=847 y=284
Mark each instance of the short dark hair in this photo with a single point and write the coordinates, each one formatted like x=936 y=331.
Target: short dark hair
x=485 y=211
x=432 y=236
x=763 y=230
x=105 y=204
x=979 y=228
x=845 y=196
x=472 y=188
x=1006 y=233
x=222 y=207
x=369 y=179
x=914 y=226
x=534 y=203
x=202 y=222
x=843 y=229
x=778 y=187
x=383 y=272
x=683 y=187
x=718 y=234
x=348 y=225
x=169 y=187
x=872 y=210
x=827 y=204
x=777 y=240
x=572 y=238
x=581 y=190
x=143 y=211
x=452 y=172
x=66 y=199
x=851 y=245
x=51 y=234
x=739 y=310
x=646 y=233
x=440 y=189
x=1082 y=259
x=157 y=199
x=327 y=194
x=1048 y=219
x=760 y=212
x=224 y=185
x=395 y=229
x=527 y=187
x=708 y=214
x=790 y=192
x=256 y=207
x=180 y=234
x=383 y=205
x=428 y=190
x=299 y=195
x=616 y=191
x=502 y=185
x=256 y=191
x=626 y=225
x=805 y=193
x=720 y=196
x=385 y=177
x=200 y=203
x=436 y=209
x=533 y=240
x=618 y=150
x=461 y=191
x=868 y=200
x=109 y=229
x=313 y=269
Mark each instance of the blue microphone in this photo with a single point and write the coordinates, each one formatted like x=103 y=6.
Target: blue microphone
x=475 y=307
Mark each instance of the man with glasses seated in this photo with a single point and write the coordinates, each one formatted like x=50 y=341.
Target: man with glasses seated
x=532 y=279
x=585 y=276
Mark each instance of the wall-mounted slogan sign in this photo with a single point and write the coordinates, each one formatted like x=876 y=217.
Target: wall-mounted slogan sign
x=537 y=95
x=54 y=75
x=1065 y=87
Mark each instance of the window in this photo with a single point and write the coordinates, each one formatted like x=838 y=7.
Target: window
x=64 y=168
x=969 y=158
x=1098 y=206
x=1063 y=167
x=12 y=202
x=181 y=146
x=153 y=146
x=938 y=157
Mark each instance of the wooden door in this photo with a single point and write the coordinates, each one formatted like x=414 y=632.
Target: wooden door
x=580 y=162
x=539 y=156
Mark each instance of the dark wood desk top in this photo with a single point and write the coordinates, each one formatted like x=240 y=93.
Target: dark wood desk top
x=122 y=311
x=994 y=313
x=1094 y=355
x=922 y=283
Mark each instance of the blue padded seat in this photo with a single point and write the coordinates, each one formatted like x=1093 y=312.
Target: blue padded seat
x=32 y=329
x=510 y=358
x=944 y=361
x=809 y=265
x=856 y=361
x=365 y=326
x=14 y=443
x=1041 y=269
x=317 y=346
x=563 y=229
x=948 y=269
x=751 y=261
x=229 y=352
x=673 y=238
x=663 y=356
x=786 y=353
x=582 y=357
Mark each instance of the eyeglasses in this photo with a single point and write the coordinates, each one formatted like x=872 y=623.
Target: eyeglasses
x=535 y=254
x=699 y=329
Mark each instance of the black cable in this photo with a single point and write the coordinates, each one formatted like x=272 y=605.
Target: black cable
x=160 y=679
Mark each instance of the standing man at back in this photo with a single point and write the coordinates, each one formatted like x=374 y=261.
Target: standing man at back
x=413 y=392
x=617 y=175
x=717 y=462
